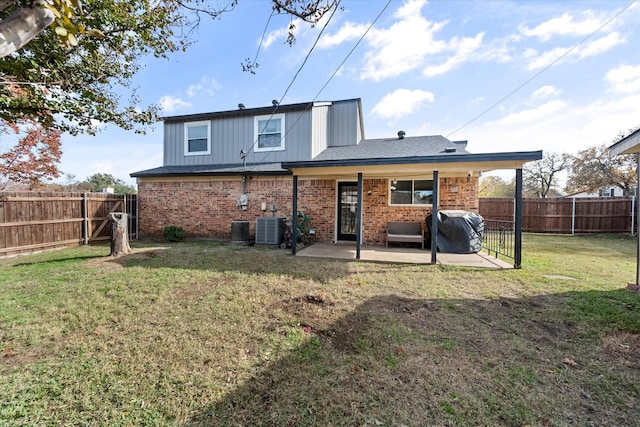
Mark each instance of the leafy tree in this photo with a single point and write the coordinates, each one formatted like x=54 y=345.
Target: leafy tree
x=99 y=181
x=592 y=169
x=34 y=157
x=67 y=76
x=540 y=178
x=494 y=186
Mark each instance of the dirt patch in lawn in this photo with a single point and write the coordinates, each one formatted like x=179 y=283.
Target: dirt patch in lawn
x=309 y=310
x=622 y=347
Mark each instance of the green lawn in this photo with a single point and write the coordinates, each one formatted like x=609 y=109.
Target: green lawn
x=203 y=333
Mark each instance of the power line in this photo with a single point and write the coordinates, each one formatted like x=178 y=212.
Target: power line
x=336 y=70
x=252 y=65
x=530 y=79
x=294 y=79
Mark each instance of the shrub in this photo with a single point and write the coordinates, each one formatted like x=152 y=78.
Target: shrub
x=173 y=233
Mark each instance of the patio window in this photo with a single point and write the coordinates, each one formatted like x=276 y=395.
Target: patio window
x=269 y=133
x=411 y=192
x=197 y=140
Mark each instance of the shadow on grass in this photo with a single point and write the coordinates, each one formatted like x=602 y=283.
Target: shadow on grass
x=58 y=260
x=215 y=256
x=547 y=360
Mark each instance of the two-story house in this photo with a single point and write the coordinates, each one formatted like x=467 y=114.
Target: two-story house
x=248 y=163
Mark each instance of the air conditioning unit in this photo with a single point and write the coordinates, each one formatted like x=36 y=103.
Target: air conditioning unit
x=270 y=231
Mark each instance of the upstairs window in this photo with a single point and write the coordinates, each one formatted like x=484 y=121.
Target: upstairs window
x=197 y=138
x=269 y=133
x=411 y=192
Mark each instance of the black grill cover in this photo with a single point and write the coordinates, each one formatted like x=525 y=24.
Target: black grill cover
x=459 y=232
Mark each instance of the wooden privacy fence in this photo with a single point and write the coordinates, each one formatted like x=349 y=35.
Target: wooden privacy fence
x=566 y=216
x=35 y=221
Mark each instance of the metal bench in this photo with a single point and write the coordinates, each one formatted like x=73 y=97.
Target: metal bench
x=405 y=232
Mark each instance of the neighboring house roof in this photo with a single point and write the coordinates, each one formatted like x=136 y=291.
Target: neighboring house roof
x=213 y=170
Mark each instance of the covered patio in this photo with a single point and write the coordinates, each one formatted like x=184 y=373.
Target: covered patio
x=446 y=164
x=348 y=251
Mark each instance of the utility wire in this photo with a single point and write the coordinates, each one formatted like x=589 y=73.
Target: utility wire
x=530 y=79
x=254 y=64
x=333 y=74
x=293 y=80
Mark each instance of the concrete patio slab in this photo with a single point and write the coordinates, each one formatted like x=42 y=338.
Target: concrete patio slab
x=400 y=255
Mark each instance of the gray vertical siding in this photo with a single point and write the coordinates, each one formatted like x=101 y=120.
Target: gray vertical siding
x=229 y=135
x=308 y=133
x=344 y=124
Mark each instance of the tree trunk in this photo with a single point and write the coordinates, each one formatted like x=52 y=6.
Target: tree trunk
x=119 y=234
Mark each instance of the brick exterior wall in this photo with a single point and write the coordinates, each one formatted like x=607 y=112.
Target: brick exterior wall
x=205 y=207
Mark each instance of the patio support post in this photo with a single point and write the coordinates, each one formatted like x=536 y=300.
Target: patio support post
x=638 y=223
x=294 y=216
x=517 y=260
x=359 y=217
x=434 y=217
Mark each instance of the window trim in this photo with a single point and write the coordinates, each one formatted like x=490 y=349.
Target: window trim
x=412 y=191
x=187 y=125
x=256 y=133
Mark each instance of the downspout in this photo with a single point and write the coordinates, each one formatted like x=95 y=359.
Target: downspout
x=85 y=219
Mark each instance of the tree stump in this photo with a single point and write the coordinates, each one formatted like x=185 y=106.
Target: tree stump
x=119 y=234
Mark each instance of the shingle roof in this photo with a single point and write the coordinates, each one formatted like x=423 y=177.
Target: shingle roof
x=212 y=170
x=284 y=108
x=386 y=148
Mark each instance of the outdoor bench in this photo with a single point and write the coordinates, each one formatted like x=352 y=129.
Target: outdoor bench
x=405 y=232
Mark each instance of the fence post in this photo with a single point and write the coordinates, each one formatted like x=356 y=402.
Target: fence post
x=573 y=216
x=633 y=209
x=137 y=217
x=126 y=210
x=85 y=219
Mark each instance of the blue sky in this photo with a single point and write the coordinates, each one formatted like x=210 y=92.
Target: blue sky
x=557 y=76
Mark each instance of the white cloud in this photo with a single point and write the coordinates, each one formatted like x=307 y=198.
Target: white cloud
x=600 y=45
x=464 y=48
x=169 y=104
x=279 y=34
x=347 y=32
x=565 y=25
x=568 y=130
x=207 y=85
x=403 y=46
x=546 y=92
x=624 y=79
x=401 y=102
x=592 y=48
x=533 y=114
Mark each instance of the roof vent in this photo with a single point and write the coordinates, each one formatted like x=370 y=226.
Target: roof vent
x=450 y=150
x=401 y=134
x=275 y=103
x=240 y=106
